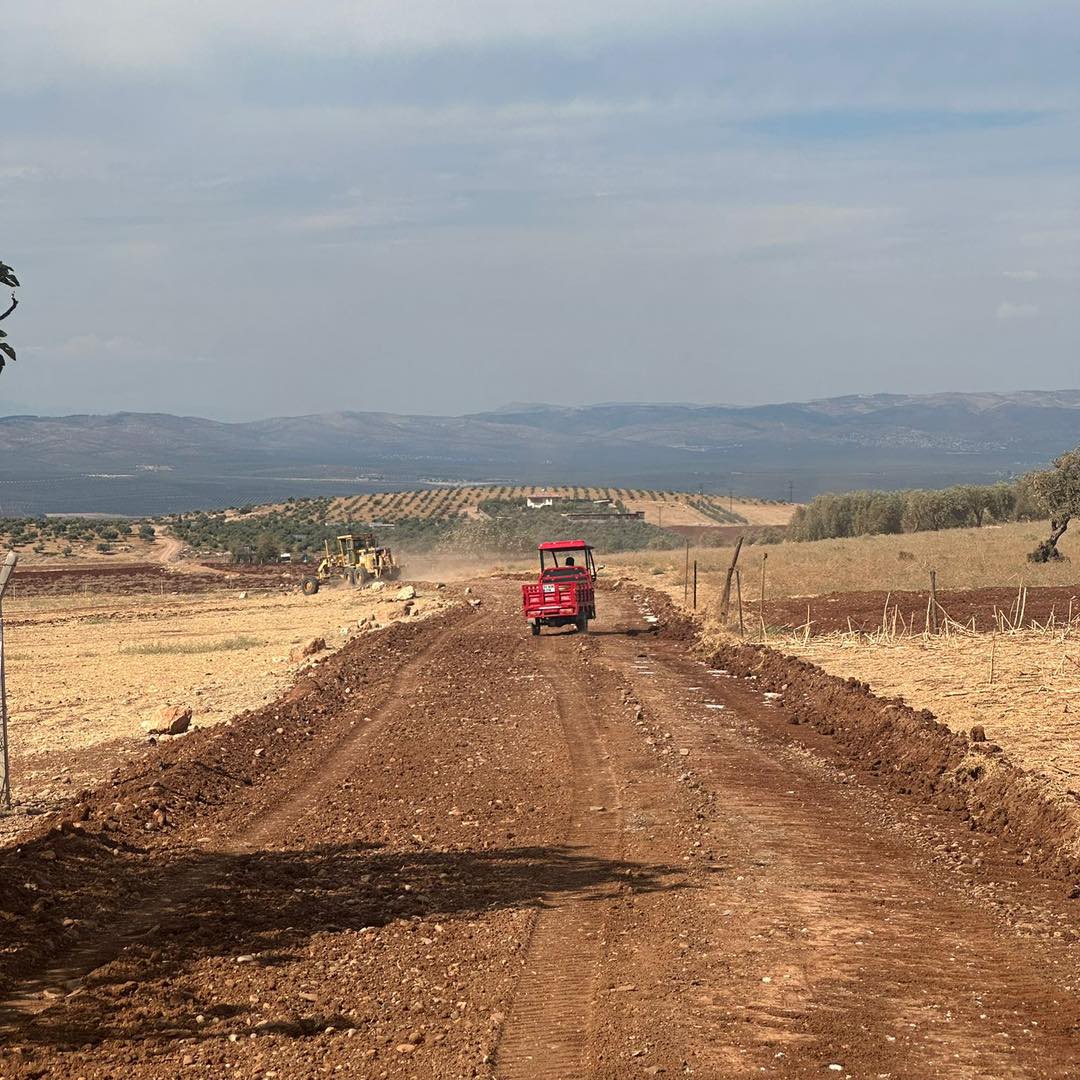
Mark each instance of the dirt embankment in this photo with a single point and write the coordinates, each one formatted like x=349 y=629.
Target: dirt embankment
x=670 y=620
x=915 y=754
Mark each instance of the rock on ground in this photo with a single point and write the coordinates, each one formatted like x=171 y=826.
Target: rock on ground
x=171 y=720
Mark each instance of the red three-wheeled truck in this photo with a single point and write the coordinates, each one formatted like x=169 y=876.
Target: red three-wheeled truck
x=564 y=595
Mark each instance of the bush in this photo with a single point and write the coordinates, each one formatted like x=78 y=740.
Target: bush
x=864 y=513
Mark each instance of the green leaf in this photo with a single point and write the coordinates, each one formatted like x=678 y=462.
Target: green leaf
x=7 y=276
x=6 y=348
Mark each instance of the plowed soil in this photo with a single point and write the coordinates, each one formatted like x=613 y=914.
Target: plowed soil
x=840 y=612
x=153 y=578
x=454 y=850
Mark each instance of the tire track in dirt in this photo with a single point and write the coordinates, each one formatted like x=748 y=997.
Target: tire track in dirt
x=304 y=799
x=549 y=1026
x=28 y=998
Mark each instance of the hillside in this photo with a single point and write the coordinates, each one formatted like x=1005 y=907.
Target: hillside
x=140 y=463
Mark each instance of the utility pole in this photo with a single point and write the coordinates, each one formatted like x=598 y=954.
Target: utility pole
x=5 y=779
x=791 y=491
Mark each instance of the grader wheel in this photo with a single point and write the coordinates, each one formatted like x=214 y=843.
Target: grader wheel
x=309 y=586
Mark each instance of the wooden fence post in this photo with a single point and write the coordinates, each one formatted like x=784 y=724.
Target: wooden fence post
x=725 y=600
x=686 y=573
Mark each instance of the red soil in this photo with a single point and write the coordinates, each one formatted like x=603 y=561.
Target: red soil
x=136 y=578
x=864 y=610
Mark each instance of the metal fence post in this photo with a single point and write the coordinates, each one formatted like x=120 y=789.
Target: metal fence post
x=5 y=780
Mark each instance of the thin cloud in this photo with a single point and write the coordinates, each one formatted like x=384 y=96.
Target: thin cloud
x=1007 y=311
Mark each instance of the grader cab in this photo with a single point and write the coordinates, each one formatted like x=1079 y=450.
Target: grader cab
x=356 y=559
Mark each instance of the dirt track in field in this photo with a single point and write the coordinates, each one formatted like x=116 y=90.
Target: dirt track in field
x=457 y=851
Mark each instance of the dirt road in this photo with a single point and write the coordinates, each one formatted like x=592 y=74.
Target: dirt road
x=459 y=851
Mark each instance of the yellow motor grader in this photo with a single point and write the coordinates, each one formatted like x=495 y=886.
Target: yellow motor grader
x=357 y=560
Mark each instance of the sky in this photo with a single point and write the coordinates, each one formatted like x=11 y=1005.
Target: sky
x=244 y=208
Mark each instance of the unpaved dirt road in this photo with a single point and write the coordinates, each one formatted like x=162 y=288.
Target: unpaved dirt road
x=459 y=851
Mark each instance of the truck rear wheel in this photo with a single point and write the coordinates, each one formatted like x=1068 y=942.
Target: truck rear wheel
x=309 y=586
x=536 y=628
x=582 y=624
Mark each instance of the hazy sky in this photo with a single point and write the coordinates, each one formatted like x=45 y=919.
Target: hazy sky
x=245 y=207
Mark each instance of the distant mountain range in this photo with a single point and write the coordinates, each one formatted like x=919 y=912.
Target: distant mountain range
x=154 y=462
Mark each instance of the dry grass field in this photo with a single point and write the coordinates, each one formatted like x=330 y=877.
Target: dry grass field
x=963 y=558
x=83 y=672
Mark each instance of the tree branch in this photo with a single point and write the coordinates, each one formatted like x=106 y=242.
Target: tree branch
x=14 y=305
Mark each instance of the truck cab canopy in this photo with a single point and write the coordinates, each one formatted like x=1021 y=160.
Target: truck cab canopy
x=565 y=559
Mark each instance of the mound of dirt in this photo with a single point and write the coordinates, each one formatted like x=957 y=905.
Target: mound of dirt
x=674 y=623
x=913 y=753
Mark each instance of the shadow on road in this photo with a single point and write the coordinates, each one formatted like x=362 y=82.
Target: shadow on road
x=267 y=905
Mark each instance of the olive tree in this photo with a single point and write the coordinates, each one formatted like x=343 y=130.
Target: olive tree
x=8 y=278
x=1057 y=491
